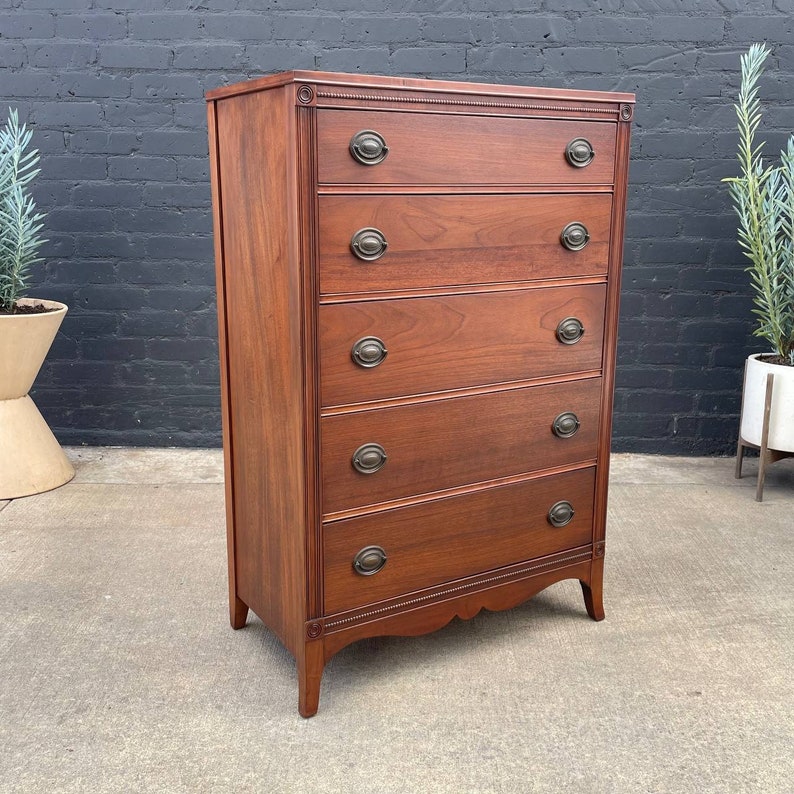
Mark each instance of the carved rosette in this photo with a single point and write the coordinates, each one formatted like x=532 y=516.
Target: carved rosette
x=314 y=630
x=600 y=548
x=305 y=94
x=626 y=112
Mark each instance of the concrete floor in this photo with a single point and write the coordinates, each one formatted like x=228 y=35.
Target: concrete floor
x=119 y=672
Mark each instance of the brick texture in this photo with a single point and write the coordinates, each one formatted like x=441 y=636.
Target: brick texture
x=114 y=90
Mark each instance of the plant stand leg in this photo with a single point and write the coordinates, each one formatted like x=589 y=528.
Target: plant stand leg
x=740 y=443
x=739 y=459
x=764 y=457
x=759 y=489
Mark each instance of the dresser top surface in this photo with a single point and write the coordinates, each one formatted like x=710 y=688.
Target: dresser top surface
x=361 y=81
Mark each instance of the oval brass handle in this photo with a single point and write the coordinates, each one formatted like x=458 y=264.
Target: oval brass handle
x=368 y=147
x=570 y=330
x=369 y=458
x=369 y=351
x=368 y=244
x=369 y=560
x=560 y=514
x=565 y=424
x=575 y=236
x=579 y=152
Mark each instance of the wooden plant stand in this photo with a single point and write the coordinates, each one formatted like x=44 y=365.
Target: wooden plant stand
x=767 y=455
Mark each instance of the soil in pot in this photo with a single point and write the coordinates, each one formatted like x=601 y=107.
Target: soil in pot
x=770 y=358
x=25 y=308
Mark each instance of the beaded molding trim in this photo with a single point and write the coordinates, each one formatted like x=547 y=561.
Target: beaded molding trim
x=586 y=555
x=469 y=102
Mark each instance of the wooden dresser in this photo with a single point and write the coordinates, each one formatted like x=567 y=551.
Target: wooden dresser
x=418 y=300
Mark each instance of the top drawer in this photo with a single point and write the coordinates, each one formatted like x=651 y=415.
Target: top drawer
x=436 y=149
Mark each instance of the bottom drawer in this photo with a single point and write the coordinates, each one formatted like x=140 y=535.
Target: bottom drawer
x=434 y=542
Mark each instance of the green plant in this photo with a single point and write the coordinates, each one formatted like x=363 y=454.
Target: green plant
x=20 y=224
x=764 y=201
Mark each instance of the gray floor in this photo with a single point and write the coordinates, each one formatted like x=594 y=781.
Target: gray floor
x=119 y=671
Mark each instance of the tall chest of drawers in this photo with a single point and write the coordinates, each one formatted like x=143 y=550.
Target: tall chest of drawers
x=418 y=297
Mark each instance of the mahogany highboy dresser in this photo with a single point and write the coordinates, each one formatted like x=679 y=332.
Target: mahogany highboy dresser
x=418 y=299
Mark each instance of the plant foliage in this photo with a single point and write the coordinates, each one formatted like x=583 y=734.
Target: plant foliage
x=764 y=201
x=20 y=224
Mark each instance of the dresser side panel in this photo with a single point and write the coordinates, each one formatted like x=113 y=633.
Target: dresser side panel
x=217 y=228
x=612 y=317
x=265 y=362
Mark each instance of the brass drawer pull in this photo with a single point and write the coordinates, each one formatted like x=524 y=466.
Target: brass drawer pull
x=575 y=236
x=560 y=514
x=368 y=147
x=369 y=458
x=579 y=152
x=369 y=560
x=368 y=244
x=570 y=330
x=565 y=424
x=369 y=351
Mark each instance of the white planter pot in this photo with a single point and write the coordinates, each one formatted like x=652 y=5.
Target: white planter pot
x=31 y=460
x=781 y=418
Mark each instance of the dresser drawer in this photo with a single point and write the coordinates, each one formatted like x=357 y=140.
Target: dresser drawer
x=456 y=341
x=427 y=148
x=435 y=542
x=388 y=242
x=446 y=443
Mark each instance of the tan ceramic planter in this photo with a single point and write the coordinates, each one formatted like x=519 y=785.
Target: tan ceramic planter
x=31 y=460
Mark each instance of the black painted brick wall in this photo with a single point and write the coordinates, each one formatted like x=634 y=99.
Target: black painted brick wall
x=114 y=89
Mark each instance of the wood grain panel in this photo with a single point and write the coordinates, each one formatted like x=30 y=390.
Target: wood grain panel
x=457 y=341
x=442 y=540
x=427 y=148
x=448 y=443
x=460 y=239
x=238 y=611
x=264 y=364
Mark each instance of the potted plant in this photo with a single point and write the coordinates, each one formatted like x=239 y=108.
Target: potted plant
x=763 y=196
x=31 y=460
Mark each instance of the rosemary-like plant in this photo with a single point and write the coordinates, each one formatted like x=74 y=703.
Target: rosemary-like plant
x=20 y=224
x=764 y=201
